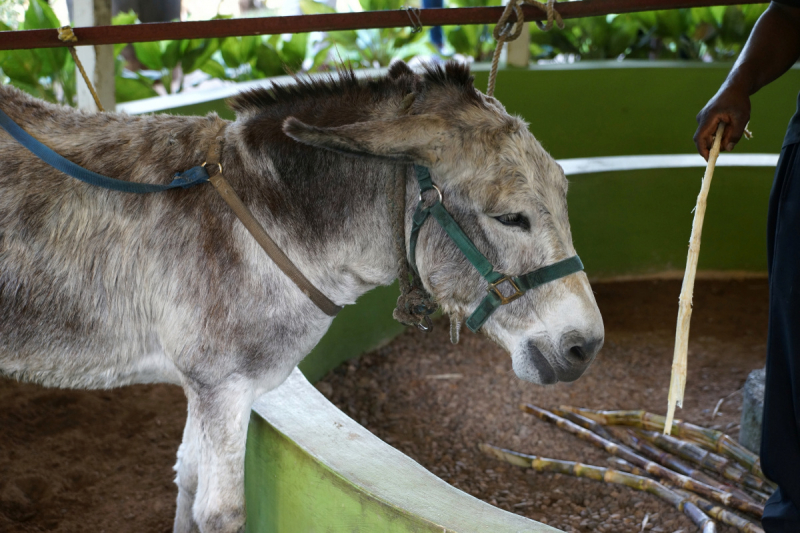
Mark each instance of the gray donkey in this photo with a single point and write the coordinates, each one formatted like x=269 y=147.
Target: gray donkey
x=101 y=289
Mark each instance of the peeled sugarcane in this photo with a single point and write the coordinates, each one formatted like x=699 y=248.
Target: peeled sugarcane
x=709 y=460
x=707 y=438
x=677 y=383
x=627 y=437
x=651 y=467
x=571 y=468
x=723 y=515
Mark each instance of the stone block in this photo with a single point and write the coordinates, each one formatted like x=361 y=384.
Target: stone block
x=752 y=410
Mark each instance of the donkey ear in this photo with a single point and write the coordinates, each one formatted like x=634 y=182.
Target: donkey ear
x=412 y=139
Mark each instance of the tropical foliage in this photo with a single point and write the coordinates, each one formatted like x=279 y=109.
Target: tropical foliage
x=710 y=33
x=713 y=33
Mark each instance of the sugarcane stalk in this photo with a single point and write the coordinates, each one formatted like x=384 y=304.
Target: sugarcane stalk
x=677 y=383
x=627 y=437
x=624 y=466
x=709 y=460
x=707 y=438
x=654 y=468
x=584 y=422
x=723 y=515
x=758 y=495
x=608 y=475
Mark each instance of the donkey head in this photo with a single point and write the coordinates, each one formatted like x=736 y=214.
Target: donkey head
x=508 y=196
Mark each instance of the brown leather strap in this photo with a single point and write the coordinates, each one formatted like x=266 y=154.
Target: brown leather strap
x=259 y=234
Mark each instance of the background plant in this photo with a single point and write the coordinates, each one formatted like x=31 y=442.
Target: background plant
x=713 y=33
x=710 y=33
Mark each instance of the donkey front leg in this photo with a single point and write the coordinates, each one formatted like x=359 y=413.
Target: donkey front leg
x=211 y=459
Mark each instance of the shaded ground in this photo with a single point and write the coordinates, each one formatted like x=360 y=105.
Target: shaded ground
x=410 y=394
x=88 y=461
x=78 y=461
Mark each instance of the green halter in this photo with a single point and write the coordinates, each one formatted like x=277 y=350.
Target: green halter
x=495 y=298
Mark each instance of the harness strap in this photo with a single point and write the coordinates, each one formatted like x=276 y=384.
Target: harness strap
x=211 y=171
x=184 y=180
x=524 y=283
x=496 y=297
x=268 y=245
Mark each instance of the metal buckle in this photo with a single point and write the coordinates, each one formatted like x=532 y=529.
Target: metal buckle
x=438 y=191
x=493 y=287
x=209 y=166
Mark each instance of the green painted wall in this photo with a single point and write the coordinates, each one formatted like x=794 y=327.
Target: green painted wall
x=595 y=109
x=290 y=492
x=623 y=223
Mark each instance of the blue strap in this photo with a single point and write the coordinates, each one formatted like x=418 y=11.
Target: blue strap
x=186 y=179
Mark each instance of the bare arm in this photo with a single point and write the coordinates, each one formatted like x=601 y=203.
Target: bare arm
x=771 y=49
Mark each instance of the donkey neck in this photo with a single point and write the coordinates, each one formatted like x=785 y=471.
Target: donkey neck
x=328 y=212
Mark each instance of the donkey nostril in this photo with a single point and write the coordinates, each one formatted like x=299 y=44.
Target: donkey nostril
x=583 y=350
x=576 y=352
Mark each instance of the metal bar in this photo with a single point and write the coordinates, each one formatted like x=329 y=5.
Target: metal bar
x=159 y=31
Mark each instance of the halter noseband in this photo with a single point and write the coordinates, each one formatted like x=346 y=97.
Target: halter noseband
x=517 y=285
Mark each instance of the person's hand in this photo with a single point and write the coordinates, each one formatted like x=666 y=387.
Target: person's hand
x=731 y=106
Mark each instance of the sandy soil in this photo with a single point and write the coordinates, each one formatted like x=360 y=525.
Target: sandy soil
x=93 y=461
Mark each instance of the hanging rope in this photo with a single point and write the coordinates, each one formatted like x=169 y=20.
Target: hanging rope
x=506 y=31
x=66 y=35
x=415 y=305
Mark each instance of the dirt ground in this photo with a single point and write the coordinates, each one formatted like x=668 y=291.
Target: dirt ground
x=94 y=461
x=436 y=402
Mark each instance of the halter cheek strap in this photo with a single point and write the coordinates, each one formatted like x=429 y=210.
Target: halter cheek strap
x=502 y=288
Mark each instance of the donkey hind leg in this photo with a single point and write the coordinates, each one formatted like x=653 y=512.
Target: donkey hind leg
x=211 y=459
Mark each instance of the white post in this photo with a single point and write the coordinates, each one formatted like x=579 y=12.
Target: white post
x=519 y=50
x=98 y=61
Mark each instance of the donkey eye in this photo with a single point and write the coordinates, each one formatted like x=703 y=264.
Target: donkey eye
x=514 y=219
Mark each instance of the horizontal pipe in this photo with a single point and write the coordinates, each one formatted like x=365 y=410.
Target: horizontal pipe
x=160 y=31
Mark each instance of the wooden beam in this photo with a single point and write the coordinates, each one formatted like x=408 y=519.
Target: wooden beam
x=13 y=40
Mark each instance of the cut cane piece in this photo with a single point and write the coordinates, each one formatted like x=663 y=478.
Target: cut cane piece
x=677 y=383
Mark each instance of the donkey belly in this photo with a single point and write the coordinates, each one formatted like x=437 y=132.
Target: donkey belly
x=56 y=349
x=68 y=318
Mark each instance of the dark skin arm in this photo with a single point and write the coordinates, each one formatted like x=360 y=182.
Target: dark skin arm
x=772 y=48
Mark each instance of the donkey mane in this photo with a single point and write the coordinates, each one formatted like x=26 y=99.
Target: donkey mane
x=399 y=80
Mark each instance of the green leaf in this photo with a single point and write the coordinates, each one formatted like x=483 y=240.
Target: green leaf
x=35 y=89
x=309 y=7
x=268 y=61
x=124 y=18
x=149 y=54
x=128 y=89
x=320 y=58
x=231 y=52
x=40 y=16
x=214 y=69
x=172 y=54
x=463 y=40
x=294 y=51
x=198 y=53
x=247 y=47
x=22 y=66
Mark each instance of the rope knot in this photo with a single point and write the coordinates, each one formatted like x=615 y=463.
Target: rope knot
x=506 y=31
x=65 y=35
x=414 y=308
